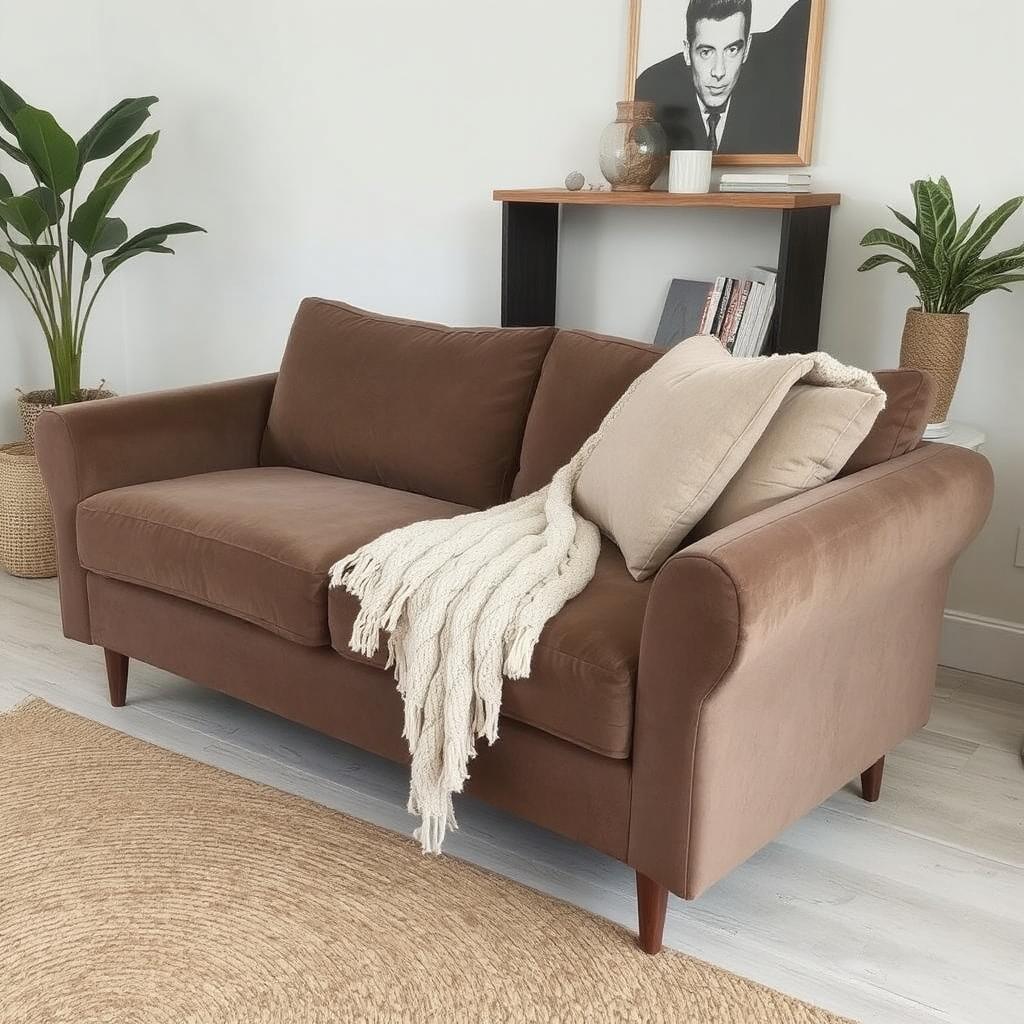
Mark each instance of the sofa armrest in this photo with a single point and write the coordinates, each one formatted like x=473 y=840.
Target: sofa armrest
x=785 y=654
x=96 y=446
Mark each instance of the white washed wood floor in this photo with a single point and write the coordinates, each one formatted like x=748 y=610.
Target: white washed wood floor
x=908 y=910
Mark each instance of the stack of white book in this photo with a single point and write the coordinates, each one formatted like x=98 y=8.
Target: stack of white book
x=759 y=181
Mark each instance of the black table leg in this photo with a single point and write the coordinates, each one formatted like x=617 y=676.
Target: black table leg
x=529 y=268
x=803 y=250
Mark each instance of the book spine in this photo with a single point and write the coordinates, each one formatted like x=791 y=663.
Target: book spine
x=767 y=316
x=712 y=307
x=751 y=316
x=723 y=308
x=729 y=323
x=743 y=296
x=701 y=326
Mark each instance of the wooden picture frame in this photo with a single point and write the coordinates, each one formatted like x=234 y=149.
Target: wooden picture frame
x=680 y=119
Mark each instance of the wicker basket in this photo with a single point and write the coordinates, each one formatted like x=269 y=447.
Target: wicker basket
x=936 y=342
x=27 y=546
x=32 y=403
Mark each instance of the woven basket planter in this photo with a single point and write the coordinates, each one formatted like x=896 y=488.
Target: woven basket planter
x=33 y=403
x=936 y=342
x=27 y=546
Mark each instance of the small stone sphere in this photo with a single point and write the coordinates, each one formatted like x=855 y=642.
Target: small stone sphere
x=575 y=181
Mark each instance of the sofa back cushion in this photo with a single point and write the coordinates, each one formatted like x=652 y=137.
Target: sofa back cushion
x=584 y=375
x=910 y=399
x=414 y=406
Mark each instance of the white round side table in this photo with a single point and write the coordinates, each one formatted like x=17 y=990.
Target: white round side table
x=963 y=435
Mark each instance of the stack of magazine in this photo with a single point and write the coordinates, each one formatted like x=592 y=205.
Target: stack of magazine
x=737 y=311
x=760 y=181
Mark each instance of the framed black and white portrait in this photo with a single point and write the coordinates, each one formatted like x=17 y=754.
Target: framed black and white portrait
x=739 y=77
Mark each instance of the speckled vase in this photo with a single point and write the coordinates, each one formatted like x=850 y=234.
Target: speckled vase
x=634 y=148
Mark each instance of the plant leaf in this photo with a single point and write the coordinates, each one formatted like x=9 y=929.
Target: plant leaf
x=12 y=151
x=5 y=188
x=987 y=230
x=883 y=236
x=51 y=205
x=114 y=129
x=40 y=256
x=88 y=220
x=112 y=233
x=903 y=219
x=111 y=263
x=156 y=236
x=50 y=149
x=7 y=262
x=25 y=215
x=10 y=104
x=965 y=229
x=879 y=260
x=128 y=162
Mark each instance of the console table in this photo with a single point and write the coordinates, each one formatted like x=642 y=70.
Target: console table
x=529 y=259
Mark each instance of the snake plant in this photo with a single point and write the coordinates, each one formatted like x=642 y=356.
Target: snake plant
x=946 y=260
x=45 y=226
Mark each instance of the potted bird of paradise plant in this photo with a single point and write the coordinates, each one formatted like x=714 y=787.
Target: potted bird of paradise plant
x=60 y=252
x=946 y=261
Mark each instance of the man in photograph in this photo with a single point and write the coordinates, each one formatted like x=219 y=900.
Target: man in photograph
x=728 y=90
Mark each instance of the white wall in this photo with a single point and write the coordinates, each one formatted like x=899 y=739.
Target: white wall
x=349 y=150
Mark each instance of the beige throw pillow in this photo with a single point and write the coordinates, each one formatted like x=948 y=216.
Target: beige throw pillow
x=675 y=444
x=689 y=425
x=808 y=441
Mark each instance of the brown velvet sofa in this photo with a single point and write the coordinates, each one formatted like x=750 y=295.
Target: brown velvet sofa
x=676 y=724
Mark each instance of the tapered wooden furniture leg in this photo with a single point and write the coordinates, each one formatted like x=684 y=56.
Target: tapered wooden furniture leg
x=871 y=781
x=117 y=677
x=651 y=903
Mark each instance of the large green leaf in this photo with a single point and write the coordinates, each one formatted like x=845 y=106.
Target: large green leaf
x=12 y=151
x=936 y=222
x=52 y=151
x=111 y=263
x=150 y=240
x=882 y=236
x=112 y=233
x=880 y=260
x=40 y=256
x=52 y=206
x=10 y=104
x=7 y=262
x=114 y=129
x=87 y=223
x=25 y=215
x=987 y=230
x=129 y=161
x=5 y=188
x=965 y=229
x=903 y=219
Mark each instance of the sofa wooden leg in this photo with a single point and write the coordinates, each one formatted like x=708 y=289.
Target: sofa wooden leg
x=651 y=903
x=117 y=677
x=871 y=781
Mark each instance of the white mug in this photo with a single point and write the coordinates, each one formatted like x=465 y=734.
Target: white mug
x=689 y=170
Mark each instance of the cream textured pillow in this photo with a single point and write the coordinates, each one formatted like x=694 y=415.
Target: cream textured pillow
x=807 y=443
x=682 y=435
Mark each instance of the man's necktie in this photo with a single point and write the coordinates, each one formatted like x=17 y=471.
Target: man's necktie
x=714 y=117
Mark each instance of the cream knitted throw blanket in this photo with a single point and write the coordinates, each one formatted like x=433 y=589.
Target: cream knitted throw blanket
x=463 y=602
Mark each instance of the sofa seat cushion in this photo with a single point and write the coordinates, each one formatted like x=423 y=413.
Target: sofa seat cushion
x=253 y=543
x=583 y=678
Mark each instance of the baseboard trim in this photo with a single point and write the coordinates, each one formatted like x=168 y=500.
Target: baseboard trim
x=975 y=643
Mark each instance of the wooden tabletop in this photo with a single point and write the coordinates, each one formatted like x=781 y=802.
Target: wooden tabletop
x=740 y=200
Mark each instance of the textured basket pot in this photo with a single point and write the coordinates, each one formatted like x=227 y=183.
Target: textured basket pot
x=27 y=546
x=936 y=342
x=32 y=403
x=634 y=148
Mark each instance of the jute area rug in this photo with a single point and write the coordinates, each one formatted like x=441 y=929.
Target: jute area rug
x=138 y=886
